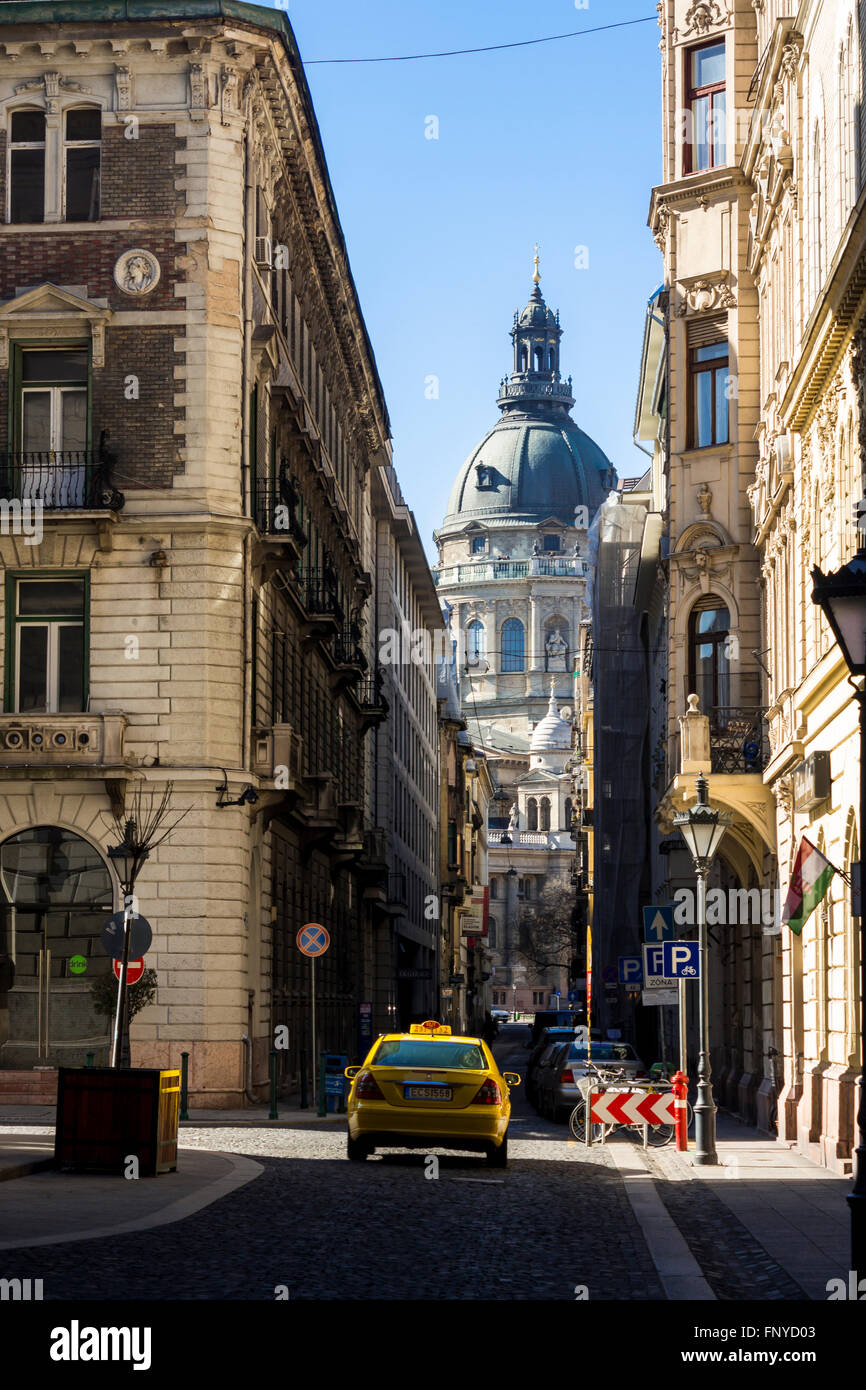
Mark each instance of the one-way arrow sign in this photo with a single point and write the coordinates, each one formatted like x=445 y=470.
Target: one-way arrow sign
x=632 y=1108
x=658 y=922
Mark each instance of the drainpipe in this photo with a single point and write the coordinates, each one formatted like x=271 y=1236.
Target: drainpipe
x=248 y=1069
x=247 y=500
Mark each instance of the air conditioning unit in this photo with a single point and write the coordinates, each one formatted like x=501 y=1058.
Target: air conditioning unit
x=263 y=254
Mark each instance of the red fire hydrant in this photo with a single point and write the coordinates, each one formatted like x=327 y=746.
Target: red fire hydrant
x=680 y=1084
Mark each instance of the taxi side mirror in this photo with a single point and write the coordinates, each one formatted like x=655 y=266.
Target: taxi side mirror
x=351 y=1072
x=511 y=1078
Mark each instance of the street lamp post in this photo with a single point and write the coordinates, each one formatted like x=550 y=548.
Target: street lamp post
x=126 y=860
x=842 y=596
x=703 y=827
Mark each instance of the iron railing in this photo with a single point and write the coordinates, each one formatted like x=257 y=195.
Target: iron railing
x=739 y=740
x=275 y=508
x=347 y=649
x=319 y=593
x=61 y=480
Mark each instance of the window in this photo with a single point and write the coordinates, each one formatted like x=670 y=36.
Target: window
x=532 y=814
x=550 y=543
x=491 y=935
x=51 y=425
x=704 y=144
x=83 y=152
x=452 y=844
x=708 y=396
x=477 y=642
x=538 y=996
x=709 y=665
x=494 y=889
x=46 y=656
x=478 y=545
x=545 y=813
x=27 y=166
x=513 y=645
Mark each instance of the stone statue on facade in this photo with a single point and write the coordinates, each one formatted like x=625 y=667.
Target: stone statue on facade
x=556 y=648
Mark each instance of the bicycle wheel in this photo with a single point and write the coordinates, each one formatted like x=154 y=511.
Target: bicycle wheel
x=576 y=1122
x=659 y=1135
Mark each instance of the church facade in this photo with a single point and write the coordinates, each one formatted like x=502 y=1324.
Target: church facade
x=512 y=579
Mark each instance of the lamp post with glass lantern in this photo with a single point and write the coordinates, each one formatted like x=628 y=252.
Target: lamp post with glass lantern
x=703 y=827
x=127 y=859
x=842 y=597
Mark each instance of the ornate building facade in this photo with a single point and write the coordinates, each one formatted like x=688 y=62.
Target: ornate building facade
x=197 y=433
x=512 y=578
x=753 y=410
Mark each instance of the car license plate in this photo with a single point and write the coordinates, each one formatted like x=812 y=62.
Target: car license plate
x=427 y=1092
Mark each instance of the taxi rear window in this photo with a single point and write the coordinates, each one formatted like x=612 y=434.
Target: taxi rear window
x=424 y=1052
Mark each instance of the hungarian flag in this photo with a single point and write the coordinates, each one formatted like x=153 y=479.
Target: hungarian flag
x=809 y=882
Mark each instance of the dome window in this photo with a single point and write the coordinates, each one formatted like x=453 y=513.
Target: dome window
x=476 y=646
x=551 y=543
x=478 y=545
x=513 y=645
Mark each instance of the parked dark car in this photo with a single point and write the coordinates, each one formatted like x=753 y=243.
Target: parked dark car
x=555 y=1018
x=558 y=1091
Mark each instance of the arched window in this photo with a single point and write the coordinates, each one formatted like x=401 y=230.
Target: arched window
x=83 y=144
x=709 y=663
x=532 y=814
x=494 y=889
x=538 y=357
x=476 y=642
x=523 y=361
x=545 y=813
x=513 y=645
x=551 y=359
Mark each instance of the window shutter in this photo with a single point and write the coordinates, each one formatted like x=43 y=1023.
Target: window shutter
x=710 y=328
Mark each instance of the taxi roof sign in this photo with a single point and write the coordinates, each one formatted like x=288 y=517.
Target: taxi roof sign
x=431 y=1027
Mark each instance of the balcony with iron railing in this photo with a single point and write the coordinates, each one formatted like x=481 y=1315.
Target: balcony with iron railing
x=275 y=509
x=559 y=392
x=61 y=480
x=536 y=566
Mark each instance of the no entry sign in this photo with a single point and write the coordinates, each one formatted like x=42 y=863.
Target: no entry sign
x=134 y=970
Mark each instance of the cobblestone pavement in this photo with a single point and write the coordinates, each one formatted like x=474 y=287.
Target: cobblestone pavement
x=324 y=1228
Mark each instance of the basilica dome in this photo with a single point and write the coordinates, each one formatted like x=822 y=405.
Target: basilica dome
x=536 y=462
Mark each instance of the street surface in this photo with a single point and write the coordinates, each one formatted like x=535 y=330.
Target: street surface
x=557 y=1224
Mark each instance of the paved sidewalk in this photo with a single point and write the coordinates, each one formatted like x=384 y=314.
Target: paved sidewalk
x=50 y=1208
x=792 y=1207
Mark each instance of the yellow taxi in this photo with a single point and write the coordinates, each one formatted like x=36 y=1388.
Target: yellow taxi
x=429 y=1089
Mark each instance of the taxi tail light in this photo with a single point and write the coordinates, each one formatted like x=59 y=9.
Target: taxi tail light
x=567 y=1078
x=488 y=1094
x=367 y=1087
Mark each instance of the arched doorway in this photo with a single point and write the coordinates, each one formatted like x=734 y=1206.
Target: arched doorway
x=56 y=894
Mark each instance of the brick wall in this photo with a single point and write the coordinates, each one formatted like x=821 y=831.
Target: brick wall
x=85 y=258
x=138 y=175
x=141 y=431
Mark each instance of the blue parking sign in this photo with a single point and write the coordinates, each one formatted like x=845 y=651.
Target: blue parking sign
x=681 y=960
x=630 y=970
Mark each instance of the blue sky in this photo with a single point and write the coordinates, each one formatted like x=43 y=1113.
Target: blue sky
x=558 y=143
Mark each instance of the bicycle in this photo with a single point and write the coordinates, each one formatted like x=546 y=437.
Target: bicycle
x=657 y=1135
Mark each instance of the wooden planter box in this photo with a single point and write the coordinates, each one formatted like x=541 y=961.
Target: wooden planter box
x=104 y=1116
